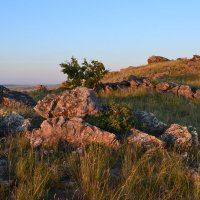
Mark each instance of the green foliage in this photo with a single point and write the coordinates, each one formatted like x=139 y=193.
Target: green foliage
x=117 y=118
x=87 y=74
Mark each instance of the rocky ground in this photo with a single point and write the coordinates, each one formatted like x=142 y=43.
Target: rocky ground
x=68 y=118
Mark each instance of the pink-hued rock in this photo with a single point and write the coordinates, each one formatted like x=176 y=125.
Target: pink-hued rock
x=73 y=131
x=178 y=136
x=145 y=140
x=197 y=94
x=164 y=86
x=75 y=103
x=157 y=59
x=185 y=91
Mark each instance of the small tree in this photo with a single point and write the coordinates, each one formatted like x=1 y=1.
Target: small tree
x=86 y=74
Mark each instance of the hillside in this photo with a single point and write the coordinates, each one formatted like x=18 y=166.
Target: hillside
x=136 y=141
x=183 y=71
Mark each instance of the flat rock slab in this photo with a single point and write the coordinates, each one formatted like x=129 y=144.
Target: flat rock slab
x=144 y=140
x=75 y=103
x=73 y=131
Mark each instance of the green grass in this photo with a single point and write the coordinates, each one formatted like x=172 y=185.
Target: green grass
x=168 y=108
x=128 y=173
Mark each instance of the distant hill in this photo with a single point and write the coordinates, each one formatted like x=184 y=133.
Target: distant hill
x=28 y=88
x=182 y=70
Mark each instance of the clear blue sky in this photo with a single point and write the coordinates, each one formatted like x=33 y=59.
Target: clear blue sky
x=37 y=35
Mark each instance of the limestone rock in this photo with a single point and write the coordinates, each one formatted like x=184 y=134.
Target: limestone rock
x=143 y=139
x=148 y=123
x=76 y=103
x=178 y=136
x=14 y=123
x=73 y=131
x=185 y=91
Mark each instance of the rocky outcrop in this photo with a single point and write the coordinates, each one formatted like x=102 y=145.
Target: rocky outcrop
x=144 y=140
x=15 y=99
x=40 y=88
x=73 y=131
x=76 y=103
x=134 y=83
x=148 y=123
x=178 y=136
x=14 y=123
x=156 y=59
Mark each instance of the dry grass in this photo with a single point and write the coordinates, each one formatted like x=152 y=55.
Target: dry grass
x=177 y=71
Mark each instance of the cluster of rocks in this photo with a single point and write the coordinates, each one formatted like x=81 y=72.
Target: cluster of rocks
x=156 y=59
x=15 y=99
x=135 y=82
x=64 y=122
x=64 y=115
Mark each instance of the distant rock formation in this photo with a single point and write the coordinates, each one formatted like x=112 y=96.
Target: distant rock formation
x=156 y=59
x=40 y=88
x=135 y=83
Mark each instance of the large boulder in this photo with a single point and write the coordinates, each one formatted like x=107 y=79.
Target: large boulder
x=148 y=123
x=185 y=91
x=156 y=59
x=73 y=131
x=14 y=123
x=75 y=103
x=144 y=140
x=178 y=136
x=15 y=99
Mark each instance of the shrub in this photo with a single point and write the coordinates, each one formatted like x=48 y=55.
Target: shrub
x=117 y=118
x=86 y=74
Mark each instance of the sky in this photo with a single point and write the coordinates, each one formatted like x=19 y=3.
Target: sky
x=37 y=35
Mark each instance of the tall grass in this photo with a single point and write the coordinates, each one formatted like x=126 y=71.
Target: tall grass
x=98 y=173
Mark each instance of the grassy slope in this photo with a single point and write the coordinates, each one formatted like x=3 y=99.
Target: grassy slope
x=179 y=71
x=156 y=174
